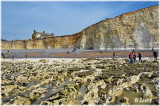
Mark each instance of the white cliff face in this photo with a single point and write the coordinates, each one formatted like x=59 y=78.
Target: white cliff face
x=137 y=29
x=83 y=41
x=144 y=39
x=117 y=43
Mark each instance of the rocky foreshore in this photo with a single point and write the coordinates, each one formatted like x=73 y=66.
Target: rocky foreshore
x=79 y=82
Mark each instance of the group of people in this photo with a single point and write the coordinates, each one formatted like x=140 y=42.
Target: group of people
x=14 y=56
x=132 y=57
x=74 y=50
x=3 y=55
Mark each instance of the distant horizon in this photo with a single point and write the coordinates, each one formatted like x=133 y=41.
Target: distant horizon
x=66 y=18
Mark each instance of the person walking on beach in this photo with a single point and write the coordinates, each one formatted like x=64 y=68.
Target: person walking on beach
x=100 y=52
x=131 y=58
x=26 y=55
x=134 y=57
x=155 y=55
x=114 y=55
x=139 y=55
x=3 y=55
x=16 y=58
x=12 y=57
x=152 y=49
x=133 y=50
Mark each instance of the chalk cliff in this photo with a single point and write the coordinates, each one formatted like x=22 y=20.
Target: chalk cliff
x=136 y=29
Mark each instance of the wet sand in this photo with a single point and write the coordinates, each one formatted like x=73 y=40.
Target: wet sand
x=77 y=54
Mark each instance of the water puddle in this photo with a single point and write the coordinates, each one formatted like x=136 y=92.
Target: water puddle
x=20 y=94
x=47 y=95
x=149 y=84
x=31 y=84
x=15 y=74
x=50 y=92
x=132 y=95
x=7 y=99
x=66 y=82
x=82 y=92
x=8 y=75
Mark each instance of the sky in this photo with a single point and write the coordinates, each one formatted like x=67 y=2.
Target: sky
x=19 y=19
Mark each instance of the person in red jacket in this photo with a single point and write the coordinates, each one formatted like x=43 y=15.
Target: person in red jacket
x=131 y=58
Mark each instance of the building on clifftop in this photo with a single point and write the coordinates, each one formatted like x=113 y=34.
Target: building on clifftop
x=41 y=35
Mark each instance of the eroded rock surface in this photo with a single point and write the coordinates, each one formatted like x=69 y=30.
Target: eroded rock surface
x=77 y=82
